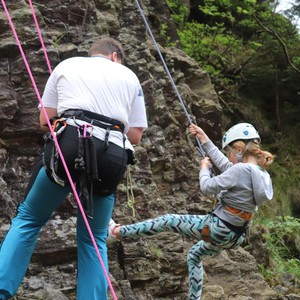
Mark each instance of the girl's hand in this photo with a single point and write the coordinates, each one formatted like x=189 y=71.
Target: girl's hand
x=197 y=131
x=205 y=163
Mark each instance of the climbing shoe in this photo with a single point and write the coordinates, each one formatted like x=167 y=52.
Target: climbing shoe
x=111 y=231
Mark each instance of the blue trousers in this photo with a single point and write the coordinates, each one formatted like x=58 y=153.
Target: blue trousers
x=17 y=247
x=191 y=226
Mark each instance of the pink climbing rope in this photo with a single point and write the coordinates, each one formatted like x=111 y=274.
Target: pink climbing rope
x=58 y=148
x=40 y=36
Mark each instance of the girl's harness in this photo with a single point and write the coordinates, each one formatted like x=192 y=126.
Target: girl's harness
x=238 y=230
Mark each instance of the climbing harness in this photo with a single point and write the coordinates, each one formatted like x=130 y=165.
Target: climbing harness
x=57 y=146
x=238 y=232
x=86 y=163
x=247 y=216
x=94 y=119
x=205 y=232
x=91 y=173
x=51 y=164
x=199 y=147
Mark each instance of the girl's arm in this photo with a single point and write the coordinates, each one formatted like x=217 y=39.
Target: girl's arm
x=216 y=156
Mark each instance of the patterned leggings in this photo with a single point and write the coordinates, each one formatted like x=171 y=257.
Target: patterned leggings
x=190 y=226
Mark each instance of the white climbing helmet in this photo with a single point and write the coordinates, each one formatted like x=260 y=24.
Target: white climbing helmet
x=241 y=131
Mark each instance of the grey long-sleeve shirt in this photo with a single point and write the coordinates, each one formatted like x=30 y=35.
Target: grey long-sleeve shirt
x=243 y=186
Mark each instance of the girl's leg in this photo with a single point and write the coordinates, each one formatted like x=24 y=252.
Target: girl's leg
x=91 y=281
x=187 y=225
x=221 y=237
x=195 y=268
x=16 y=249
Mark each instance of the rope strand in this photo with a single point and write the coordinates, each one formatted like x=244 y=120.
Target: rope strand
x=40 y=36
x=199 y=147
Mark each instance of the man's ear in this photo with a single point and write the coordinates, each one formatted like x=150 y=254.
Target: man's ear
x=114 y=57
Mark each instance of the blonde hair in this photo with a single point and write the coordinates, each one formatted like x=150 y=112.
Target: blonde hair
x=264 y=158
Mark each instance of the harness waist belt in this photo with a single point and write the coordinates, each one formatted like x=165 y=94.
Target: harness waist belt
x=241 y=213
x=94 y=119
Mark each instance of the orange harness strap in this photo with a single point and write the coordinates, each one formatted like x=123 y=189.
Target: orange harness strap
x=205 y=235
x=241 y=213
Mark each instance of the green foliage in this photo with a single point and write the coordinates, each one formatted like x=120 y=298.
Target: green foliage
x=236 y=48
x=58 y=39
x=215 y=50
x=163 y=33
x=213 y=43
x=283 y=242
x=179 y=11
x=285 y=175
x=156 y=251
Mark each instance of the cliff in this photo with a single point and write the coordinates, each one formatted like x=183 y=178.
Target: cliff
x=165 y=178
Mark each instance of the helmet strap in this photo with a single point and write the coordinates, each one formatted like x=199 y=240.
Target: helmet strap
x=247 y=147
x=240 y=156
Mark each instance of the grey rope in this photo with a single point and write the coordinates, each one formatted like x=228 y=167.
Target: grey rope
x=199 y=147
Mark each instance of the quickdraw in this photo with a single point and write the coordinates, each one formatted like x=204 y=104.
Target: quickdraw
x=86 y=165
x=58 y=126
x=129 y=193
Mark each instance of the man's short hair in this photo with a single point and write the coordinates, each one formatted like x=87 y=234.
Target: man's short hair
x=107 y=46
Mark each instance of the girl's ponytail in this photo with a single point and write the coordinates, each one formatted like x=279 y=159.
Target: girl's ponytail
x=264 y=158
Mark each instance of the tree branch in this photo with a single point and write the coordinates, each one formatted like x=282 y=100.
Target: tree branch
x=282 y=43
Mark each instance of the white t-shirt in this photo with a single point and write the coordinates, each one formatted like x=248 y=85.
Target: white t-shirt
x=98 y=85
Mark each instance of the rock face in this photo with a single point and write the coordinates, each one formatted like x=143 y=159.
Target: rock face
x=165 y=178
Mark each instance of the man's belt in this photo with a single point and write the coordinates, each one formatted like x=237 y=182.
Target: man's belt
x=94 y=119
x=240 y=213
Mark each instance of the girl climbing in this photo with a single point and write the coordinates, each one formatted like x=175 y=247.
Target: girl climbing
x=242 y=186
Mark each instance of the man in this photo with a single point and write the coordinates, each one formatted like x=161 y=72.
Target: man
x=97 y=109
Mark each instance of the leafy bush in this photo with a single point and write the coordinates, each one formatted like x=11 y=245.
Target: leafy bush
x=283 y=241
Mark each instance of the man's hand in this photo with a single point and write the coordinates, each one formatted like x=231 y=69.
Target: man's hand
x=51 y=112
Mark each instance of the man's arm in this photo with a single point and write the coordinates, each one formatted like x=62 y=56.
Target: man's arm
x=51 y=112
x=134 y=134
